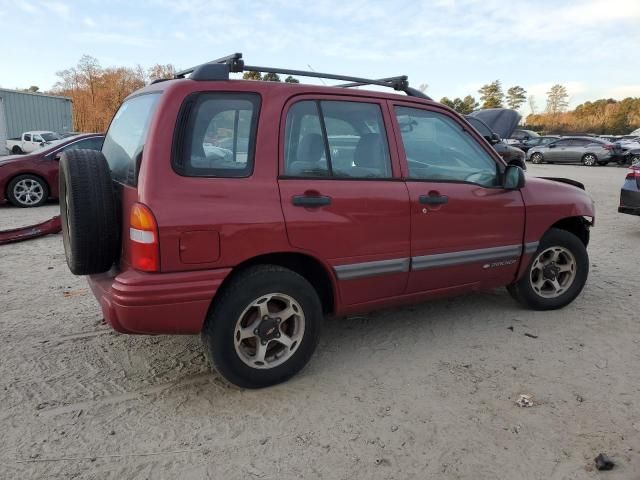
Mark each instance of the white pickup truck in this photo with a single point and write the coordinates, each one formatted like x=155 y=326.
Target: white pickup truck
x=30 y=141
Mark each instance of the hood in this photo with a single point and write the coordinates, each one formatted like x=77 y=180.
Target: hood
x=503 y=121
x=11 y=159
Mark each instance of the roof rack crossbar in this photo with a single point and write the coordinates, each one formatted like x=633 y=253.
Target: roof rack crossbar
x=236 y=65
x=234 y=61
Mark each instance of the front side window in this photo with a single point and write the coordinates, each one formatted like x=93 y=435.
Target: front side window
x=439 y=149
x=219 y=135
x=37 y=138
x=88 y=144
x=336 y=139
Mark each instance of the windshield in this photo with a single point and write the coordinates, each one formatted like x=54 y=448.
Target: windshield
x=50 y=137
x=126 y=136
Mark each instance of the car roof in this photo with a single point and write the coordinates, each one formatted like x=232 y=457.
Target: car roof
x=261 y=86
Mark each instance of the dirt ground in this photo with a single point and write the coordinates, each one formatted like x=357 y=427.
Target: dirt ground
x=426 y=391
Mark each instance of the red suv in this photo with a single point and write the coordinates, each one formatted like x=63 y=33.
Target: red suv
x=248 y=210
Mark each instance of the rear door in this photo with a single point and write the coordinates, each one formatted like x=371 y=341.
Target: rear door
x=466 y=230
x=342 y=196
x=559 y=151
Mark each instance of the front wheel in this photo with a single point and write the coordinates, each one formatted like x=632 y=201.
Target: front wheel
x=27 y=191
x=556 y=274
x=536 y=158
x=589 y=160
x=264 y=327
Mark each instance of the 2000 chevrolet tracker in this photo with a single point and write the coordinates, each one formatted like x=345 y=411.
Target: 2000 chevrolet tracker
x=247 y=210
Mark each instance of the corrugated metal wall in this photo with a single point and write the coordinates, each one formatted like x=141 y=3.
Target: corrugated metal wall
x=32 y=111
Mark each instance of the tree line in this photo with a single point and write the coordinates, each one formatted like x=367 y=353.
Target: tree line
x=97 y=92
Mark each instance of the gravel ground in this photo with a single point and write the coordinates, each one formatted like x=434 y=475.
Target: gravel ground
x=426 y=391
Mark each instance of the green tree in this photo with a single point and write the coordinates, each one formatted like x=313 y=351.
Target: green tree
x=491 y=95
x=516 y=96
x=251 y=75
x=271 y=77
x=557 y=99
x=463 y=106
x=290 y=79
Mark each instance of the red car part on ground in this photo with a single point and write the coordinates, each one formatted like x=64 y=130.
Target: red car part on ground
x=50 y=226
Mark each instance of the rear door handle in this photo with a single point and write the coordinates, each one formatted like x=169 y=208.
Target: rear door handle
x=310 y=201
x=434 y=199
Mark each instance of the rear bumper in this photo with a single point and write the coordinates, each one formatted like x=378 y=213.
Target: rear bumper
x=156 y=303
x=629 y=201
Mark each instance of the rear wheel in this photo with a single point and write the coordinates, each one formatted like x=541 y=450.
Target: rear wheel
x=263 y=327
x=556 y=274
x=16 y=150
x=589 y=159
x=537 y=158
x=27 y=191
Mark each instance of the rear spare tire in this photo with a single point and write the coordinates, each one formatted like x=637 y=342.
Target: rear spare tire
x=88 y=211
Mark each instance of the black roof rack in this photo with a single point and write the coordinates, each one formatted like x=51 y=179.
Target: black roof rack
x=220 y=68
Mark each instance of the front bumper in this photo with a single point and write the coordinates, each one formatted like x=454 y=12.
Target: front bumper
x=156 y=303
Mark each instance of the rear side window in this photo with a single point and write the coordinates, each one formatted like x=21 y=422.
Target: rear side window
x=127 y=133
x=336 y=139
x=216 y=135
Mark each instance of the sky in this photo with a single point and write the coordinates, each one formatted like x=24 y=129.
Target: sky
x=454 y=46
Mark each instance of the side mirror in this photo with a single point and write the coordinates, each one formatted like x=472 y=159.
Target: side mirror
x=518 y=162
x=42 y=144
x=513 y=178
x=495 y=138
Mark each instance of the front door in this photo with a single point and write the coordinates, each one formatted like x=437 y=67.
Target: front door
x=342 y=196
x=466 y=230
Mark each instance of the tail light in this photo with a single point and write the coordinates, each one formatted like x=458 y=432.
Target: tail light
x=633 y=174
x=143 y=233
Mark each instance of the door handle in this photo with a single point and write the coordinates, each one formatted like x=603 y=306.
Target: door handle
x=433 y=199
x=310 y=201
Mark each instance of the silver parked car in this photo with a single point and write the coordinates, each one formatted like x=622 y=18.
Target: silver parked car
x=586 y=150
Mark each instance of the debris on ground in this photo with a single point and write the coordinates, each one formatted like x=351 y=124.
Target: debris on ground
x=51 y=226
x=525 y=400
x=603 y=462
x=530 y=335
x=75 y=293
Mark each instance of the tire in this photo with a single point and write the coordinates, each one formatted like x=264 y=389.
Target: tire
x=88 y=212
x=589 y=159
x=27 y=191
x=233 y=309
x=537 y=158
x=16 y=150
x=602 y=164
x=537 y=299
x=635 y=159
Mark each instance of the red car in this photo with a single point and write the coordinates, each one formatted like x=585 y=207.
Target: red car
x=29 y=180
x=248 y=210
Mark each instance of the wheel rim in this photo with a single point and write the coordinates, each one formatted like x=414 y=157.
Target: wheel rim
x=269 y=331
x=28 y=191
x=536 y=158
x=553 y=272
x=589 y=160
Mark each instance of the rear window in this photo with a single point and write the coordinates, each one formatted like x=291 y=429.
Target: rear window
x=127 y=133
x=216 y=135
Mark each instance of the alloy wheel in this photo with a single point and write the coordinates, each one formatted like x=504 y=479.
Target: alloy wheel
x=28 y=191
x=553 y=272
x=269 y=331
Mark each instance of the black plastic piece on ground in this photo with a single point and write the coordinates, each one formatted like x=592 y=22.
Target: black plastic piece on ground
x=603 y=462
